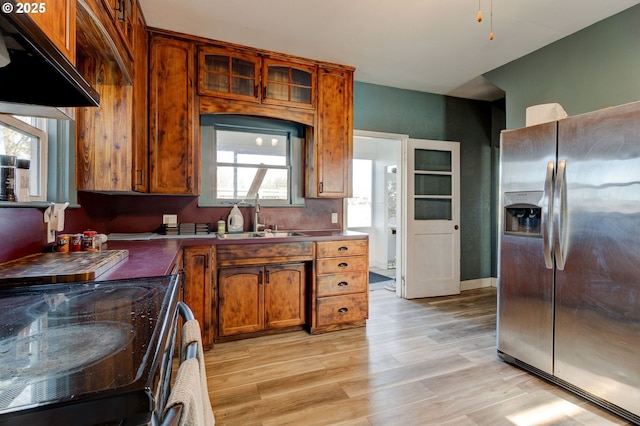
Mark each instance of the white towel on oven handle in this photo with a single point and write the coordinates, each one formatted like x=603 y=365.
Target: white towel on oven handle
x=191 y=333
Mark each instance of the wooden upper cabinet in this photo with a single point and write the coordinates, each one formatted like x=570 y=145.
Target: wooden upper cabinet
x=58 y=22
x=123 y=15
x=173 y=142
x=112 y=138
x=288 y=83
x=229 y=74
x=329 y=152
x=226 y=72
x=140 y=158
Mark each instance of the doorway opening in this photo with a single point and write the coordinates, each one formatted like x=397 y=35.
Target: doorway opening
x=377 y=201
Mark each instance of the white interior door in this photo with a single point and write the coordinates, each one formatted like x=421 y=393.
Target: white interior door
x=431 y=261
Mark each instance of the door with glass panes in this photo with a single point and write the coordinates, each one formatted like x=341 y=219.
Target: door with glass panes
x=432 y=218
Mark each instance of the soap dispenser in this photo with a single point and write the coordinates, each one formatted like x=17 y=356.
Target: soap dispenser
x=235 y=221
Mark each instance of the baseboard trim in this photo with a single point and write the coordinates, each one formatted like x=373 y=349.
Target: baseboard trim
x=478 y=283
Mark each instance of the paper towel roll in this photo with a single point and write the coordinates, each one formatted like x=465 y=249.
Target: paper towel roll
x=544 y=113
x=54 y=218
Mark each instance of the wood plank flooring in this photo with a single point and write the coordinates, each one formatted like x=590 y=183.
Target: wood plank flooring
x=418 y=362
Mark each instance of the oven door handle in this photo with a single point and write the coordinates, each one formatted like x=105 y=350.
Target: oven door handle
x=185 y=312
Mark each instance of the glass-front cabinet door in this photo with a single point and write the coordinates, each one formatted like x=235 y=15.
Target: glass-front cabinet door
x=288 y=83
x=228 y=73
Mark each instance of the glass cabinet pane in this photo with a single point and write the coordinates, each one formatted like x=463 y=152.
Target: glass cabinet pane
x=278 y=91
x=217 y=63
x=301 y=94
x=278 y=74
x=217 y=82
x=433 y=161
x=231 y=73
x=242 y=68
x=300 y=77
x=289 y=84
x=242 y=86
x=426 y=184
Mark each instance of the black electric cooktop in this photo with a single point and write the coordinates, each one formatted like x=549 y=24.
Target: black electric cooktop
x=86 y=353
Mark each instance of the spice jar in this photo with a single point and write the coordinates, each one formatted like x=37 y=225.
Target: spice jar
x=76 y=243
x=90 y=241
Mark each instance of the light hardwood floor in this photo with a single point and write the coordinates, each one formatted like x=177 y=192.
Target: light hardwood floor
x=419 y=362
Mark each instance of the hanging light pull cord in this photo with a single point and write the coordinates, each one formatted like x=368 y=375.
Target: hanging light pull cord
x=491 y=20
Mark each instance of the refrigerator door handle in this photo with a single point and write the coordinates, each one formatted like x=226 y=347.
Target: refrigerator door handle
x=547 y=209
x=560 y=215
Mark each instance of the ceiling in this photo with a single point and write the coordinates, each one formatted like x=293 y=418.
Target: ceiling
x=434 y=46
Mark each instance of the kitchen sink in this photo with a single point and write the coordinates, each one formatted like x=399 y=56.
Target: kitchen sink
x=262 y=234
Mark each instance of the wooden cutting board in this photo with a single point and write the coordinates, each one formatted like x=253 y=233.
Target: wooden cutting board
x=46 y=268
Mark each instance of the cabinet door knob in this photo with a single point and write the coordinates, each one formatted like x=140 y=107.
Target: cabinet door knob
x=343 y=284
x=343 y=310
x=343 y=249
x=343 y=265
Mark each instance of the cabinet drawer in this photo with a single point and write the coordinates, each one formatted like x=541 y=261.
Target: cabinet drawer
x=341 y=309
x=336 y=284
x=338 y=265
x=342 y=248
x=247 y=254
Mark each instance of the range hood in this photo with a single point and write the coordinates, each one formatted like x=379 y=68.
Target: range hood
x=37 y=74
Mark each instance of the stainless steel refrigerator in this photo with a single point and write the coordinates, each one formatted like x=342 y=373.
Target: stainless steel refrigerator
x=569 y=260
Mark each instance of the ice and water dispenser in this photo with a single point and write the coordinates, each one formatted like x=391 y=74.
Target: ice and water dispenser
x=523 y=213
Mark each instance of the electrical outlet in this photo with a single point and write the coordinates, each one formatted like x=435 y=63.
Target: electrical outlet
x=170 y=219
x=334 y=217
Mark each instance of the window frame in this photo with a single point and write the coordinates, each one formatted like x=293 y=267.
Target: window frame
x=211 y=123
x=40 y=133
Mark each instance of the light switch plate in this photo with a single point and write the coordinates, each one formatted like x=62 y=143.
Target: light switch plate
x=334 y=217
x=169 y=219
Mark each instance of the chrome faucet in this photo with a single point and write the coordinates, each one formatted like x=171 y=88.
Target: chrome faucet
x=256 y=210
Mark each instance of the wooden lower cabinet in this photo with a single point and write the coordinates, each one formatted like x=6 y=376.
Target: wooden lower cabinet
x=257 y=298
x=198 y=286
x=341 y=293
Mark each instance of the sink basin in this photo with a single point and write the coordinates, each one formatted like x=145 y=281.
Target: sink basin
x=262 y=234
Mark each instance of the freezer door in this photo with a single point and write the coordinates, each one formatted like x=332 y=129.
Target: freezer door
x=525 y=292
x=598 y=293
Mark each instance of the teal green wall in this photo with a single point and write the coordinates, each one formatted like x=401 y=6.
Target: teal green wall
x=428 y=116
x=591 y=69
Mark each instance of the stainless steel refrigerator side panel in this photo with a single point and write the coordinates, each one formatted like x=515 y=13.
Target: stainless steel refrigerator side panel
x=525 y=290
x=597 y=338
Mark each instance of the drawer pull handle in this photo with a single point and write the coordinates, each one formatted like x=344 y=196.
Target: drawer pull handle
x=343 y=265
x=343 y=310
x=343 y=284
x=342 y=249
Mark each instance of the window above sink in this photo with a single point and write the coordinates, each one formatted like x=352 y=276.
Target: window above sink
x=245 y=155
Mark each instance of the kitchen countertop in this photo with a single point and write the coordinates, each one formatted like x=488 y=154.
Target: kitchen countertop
x=153 y=257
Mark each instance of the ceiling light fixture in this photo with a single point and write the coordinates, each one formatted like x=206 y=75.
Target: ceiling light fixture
x=274 y=142
x=259 y=141
x=479 y=18
x=491 y=21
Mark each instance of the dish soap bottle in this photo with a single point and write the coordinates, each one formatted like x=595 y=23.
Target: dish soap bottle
x=221 y=226
x=235 y=221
